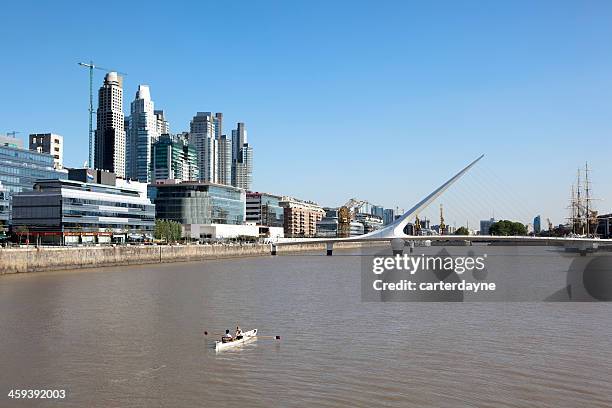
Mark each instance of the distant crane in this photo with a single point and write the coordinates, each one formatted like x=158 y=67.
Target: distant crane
x=91 y=67
x=13 y=134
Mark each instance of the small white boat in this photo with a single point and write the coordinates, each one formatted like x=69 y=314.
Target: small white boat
x=246 y=337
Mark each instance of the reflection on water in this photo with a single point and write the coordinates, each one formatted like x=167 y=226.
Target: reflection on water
x=133 y=336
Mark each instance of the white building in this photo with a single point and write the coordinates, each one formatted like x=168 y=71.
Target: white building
x=244 y=168
x=143 y=132
x=110 y=133
x=162 y=125
x=49 y=143
x=202 y=135
x=224 y=160
x=216 y=232
x=242 y=158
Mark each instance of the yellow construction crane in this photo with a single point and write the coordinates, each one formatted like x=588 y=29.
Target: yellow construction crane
x=344 y=222
x=91 y=66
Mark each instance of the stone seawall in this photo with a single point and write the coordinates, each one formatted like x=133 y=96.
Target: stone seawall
x=21 y=260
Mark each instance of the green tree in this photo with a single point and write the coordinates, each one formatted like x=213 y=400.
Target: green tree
x=507 y=227
x=176 y=230
x=167 y=230
x=462 y=231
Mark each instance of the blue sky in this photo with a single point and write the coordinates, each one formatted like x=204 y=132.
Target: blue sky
x=377 y=100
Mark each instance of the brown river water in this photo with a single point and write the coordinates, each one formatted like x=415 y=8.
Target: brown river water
x=133 y=337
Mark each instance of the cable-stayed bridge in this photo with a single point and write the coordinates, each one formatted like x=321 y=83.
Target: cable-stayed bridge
x=394 y=232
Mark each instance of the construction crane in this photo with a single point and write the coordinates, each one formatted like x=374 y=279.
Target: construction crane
x=442 y=224
x=417 y=226
x=13 y=134
x=346 y=214
x=91 y=66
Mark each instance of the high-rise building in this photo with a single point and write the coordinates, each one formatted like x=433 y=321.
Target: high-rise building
x=244 y=168
x=218 y=124
x=239 y=138
x=378 y=211
x=126 y=125
x=142 y=134
x=110 y=133
x=163 y=127
x=242 y=158
x=173 y=158
x=49 y=143
x=224 y=160
x=202 y=135
x=537 y=224
x=388 y=216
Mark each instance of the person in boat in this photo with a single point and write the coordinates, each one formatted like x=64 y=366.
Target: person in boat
x=238 y=333
x=227 y=337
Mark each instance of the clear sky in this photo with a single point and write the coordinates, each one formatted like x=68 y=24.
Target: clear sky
x=376 y=100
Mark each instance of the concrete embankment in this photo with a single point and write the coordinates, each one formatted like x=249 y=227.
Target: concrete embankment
x=20 y=260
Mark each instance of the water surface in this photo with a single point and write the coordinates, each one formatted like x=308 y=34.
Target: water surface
x=133 y=337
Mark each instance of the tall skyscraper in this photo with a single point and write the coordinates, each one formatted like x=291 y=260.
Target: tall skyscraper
x=537 y=224
x=173 y=158
x=110 y=133
x=244 y=168
x=242 y=158
x=163 y=127
x=218 y=125
x=239 y=137
x=202 y=135
x=224 y=160
x=142 y=134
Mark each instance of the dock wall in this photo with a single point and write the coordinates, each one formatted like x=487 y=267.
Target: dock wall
x=23 y=260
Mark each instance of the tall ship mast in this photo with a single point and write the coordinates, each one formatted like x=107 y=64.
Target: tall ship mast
x=590 y=215
x=583 y=218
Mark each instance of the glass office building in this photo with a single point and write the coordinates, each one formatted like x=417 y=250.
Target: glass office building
x=173 y=157
x=194 y=202
x=264 y=209
x=73 y=211
x=20 y=168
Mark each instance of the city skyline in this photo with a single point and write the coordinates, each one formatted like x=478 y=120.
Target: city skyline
x=443 y=87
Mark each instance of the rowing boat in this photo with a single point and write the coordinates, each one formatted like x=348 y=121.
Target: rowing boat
x=246 y=336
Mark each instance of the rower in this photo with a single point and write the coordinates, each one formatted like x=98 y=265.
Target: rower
x=238 y=333
x=227 y=337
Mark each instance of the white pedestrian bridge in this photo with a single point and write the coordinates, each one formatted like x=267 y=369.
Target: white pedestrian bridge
x=394 y=233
